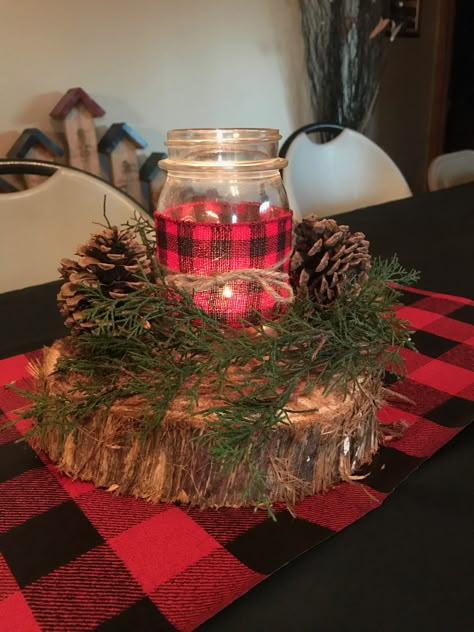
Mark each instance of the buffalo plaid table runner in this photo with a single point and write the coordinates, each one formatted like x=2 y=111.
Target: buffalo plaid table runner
x=76 y=558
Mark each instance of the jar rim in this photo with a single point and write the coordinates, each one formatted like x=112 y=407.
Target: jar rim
x=191 y=149
x=222 y=134
x=274 y=164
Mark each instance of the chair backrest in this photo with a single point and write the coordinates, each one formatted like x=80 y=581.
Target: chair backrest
x=449 y=170
x=345 y=173
x=41 y=225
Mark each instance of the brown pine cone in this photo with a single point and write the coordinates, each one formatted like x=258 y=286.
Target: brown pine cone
x=326 y=258
x=111 y=260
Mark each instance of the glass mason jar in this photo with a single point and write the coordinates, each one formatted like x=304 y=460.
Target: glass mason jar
x=227 y=166
x=223 y=212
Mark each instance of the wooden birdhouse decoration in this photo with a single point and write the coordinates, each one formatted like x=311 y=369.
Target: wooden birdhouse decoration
x=77 y=110
x=120 y=142
x=153 y=176
x=33 y=144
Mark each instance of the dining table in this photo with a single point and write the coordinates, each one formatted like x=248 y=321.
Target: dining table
x=393 y=552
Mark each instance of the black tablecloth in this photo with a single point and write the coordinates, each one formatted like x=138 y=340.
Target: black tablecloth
x=407 y=566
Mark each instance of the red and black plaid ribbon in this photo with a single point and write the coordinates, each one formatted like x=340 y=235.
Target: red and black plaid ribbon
x=187 y=244
x=73 y=557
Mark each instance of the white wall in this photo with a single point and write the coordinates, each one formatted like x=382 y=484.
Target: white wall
x=155 y=64
x=162 y=64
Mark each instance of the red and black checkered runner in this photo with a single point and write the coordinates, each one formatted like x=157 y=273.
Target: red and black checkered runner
x=232 y=238
x=73 y=557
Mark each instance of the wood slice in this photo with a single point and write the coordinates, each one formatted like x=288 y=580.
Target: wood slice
x=314 y=452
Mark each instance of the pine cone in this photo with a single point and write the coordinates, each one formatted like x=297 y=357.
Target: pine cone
x=110 y=260
x=326 y=257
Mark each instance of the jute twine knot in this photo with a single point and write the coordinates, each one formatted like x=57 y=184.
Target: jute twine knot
x=271 y=280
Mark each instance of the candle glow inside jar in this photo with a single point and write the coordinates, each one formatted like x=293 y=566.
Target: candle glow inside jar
x=223 y=220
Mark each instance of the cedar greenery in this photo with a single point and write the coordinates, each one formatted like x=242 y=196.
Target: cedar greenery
x=155 y=342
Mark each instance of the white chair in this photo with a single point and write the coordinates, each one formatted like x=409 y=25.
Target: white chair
x=41 y=225
x=345 y=173
x=449 y=170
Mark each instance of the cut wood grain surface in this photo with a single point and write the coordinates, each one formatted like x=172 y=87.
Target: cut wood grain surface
x=316 y=450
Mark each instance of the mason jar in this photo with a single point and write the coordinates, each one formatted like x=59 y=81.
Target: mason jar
x=223 y=214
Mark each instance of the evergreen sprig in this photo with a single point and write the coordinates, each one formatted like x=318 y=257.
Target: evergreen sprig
x=156 y=343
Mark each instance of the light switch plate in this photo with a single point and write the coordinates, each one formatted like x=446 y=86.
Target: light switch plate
x=408 y=13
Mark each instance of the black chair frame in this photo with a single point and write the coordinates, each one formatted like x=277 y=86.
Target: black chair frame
x=310 y=129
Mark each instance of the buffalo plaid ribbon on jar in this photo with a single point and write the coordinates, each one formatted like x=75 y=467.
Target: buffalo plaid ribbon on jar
x=232 y=239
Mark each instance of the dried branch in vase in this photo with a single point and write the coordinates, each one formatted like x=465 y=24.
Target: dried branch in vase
x=345 y=56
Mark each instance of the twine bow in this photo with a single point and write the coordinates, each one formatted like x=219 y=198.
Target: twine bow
x=271 y=280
